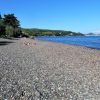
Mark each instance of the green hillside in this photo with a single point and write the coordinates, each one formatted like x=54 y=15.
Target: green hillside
x=47 y=32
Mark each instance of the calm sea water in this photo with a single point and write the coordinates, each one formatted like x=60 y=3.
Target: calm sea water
x=87 y=41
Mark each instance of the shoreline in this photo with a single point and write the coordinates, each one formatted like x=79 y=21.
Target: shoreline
x=91 y=48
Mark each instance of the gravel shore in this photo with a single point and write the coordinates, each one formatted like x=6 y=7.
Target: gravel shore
x=38 y=70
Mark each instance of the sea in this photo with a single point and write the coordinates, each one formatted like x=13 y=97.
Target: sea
x=86 y=41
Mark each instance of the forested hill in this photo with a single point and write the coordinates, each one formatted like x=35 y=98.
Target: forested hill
x=44 y=32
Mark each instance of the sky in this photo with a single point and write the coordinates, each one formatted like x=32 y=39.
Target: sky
x=74 y=15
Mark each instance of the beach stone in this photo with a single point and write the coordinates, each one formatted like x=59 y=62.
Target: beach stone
x=42 y=70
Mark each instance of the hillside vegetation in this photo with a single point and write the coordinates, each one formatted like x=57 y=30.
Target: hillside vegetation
x=46 y=32
x=10 y=27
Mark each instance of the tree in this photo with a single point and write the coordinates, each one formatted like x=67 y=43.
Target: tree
x=0 y=17
x=2 y=26
x=11 y=20
x=12 y=24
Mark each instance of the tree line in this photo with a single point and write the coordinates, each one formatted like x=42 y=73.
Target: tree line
x=46 y=32
x=10 y=27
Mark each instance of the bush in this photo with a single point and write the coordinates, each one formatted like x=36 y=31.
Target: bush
x=17 y=32
x=9 y=31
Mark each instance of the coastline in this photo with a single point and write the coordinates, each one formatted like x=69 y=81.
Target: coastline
x=48 y=70
x=86 y=47
x=75 y=41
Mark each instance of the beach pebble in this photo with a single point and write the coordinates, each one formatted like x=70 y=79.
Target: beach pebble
x=48 y=71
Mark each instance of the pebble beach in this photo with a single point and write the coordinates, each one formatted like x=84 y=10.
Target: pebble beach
x=40 y=70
